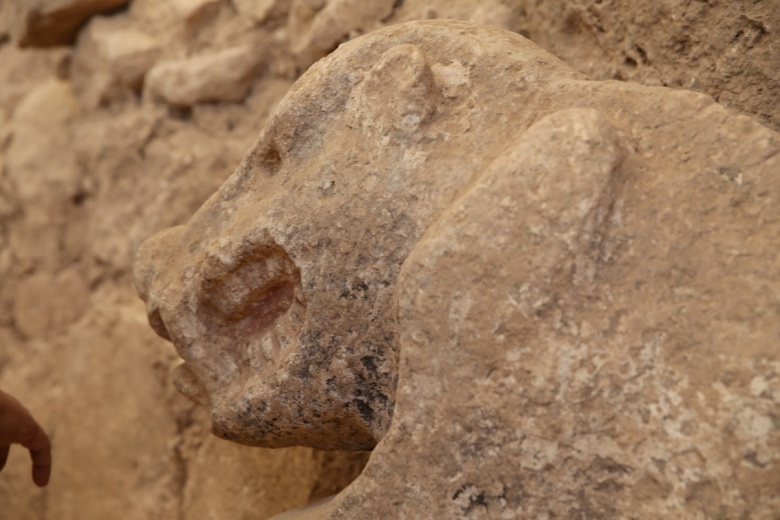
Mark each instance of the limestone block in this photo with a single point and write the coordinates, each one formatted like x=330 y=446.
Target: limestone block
x=34 y=184
x=38 y=120
x=316 y=27
x=47 y=23
x=256 y=9
x=219 y=76
x=563 y=292
x=22 y=72
x=194 y=12
x=111 y=60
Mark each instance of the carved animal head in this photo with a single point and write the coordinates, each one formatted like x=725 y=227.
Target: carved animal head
x=280 y=293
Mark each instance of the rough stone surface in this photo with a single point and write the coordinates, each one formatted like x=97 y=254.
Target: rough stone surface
x=82 y=186
x=563 y=291
x=726 y=49
x=219 y=76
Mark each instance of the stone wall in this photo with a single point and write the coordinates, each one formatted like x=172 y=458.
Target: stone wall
x=119 y=118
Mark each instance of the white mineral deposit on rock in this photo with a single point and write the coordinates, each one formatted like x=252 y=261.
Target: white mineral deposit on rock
x=551 y=285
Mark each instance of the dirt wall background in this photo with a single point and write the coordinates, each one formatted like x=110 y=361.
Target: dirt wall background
x=119 y=118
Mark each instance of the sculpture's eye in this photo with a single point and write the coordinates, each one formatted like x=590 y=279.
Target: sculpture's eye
x=255 y=295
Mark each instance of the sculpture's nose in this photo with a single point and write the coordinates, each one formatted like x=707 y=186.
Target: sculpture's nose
x=153 y=261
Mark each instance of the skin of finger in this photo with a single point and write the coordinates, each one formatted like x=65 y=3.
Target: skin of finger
x=8 y=420
x=15 y=420
x=4 y=456
x=41 y=475
x=18 y=426
x=40 y=453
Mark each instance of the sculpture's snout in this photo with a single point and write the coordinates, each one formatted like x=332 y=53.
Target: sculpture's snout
x=149 y=274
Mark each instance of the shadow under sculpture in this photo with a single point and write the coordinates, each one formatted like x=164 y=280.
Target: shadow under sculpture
x=532 y=294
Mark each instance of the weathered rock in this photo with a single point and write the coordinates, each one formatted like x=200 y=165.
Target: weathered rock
x=137 y=173
x=36 y=184
x=258 y=10
x=23 y=70
x=193 y=12
x=45 y=23
x=111 y=60
x=38 y=121
x=487 y=12
x=219 y=76
x=563 y=291
x=317 y=27
x=729 y=50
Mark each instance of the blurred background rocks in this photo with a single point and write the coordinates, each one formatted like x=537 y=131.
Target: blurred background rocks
x=119 y=118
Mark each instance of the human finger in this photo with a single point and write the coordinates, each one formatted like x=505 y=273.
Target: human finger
x=41 y=470
x=40 y=452
x=4 y=456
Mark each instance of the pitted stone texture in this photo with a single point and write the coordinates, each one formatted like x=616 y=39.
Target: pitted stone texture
x=225 y=75
x=597 y=323
x=580 y=279
x=729 y=50
x=35 y=186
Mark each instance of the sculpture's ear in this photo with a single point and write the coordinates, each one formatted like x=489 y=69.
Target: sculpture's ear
x=398 y=92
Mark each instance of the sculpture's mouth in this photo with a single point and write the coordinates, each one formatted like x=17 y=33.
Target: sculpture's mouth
x=251 y=314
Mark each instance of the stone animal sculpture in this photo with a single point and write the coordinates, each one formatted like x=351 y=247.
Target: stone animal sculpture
x=532 y=294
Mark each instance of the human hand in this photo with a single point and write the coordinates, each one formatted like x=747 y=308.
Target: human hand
x=17 y=426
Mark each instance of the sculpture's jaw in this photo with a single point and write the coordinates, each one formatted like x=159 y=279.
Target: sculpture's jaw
x=255 y=355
